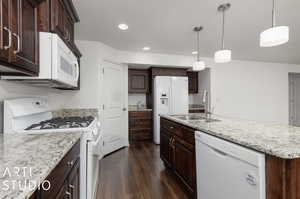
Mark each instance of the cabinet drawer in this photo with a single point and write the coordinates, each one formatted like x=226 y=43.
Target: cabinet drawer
x=174 y=128
x=140 y=114
x=58 y=176
x=139 y=123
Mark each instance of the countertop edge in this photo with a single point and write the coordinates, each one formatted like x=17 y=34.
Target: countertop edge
x=65 y=152
x=254 y=147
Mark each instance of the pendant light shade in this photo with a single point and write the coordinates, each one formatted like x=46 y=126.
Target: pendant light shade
x=223 y=55
x=274 y=36
x=198 y=65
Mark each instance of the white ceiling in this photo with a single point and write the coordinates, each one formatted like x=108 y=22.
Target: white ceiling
x=166 y=26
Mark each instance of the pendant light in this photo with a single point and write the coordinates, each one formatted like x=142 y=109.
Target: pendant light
x=276 y=35
x=223 y=55
x=198 y=65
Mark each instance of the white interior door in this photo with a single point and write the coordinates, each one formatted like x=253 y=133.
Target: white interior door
x=114 y=107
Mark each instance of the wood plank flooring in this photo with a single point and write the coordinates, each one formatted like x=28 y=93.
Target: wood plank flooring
x=137 y=173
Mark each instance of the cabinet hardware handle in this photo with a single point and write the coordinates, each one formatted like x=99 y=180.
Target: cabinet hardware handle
x=71 y=186
x=171 y=127
x=18 y=38
x=68 y=193
x=70 y=163
x=9 y=38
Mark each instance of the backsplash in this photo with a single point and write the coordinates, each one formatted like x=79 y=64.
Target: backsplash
x=133 y=99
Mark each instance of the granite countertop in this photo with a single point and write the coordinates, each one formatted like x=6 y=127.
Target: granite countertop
x=274 y=139
x=33 y=157
x=135 y=108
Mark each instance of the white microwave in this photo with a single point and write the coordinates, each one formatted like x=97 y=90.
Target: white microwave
x=59 y=66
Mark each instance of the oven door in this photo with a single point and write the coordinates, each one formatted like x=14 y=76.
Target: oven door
x=94 y=154
x=65 y=67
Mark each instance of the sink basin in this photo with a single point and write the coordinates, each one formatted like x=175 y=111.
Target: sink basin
x=197 y=118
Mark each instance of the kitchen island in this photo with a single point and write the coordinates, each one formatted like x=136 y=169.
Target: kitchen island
x=279 y=143
x=30 y=159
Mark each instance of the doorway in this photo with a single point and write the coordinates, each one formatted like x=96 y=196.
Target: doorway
x=294 y=99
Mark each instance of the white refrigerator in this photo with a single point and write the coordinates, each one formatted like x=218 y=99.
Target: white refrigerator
x=170 y=97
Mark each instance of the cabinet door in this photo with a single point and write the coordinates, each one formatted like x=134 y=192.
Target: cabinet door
x=193 y=82
x=165 y=148
x=63 y=192
x=69 y=30
x=185 y=164
x=73 y=181
x=25 y=50
x=5 y=13
x=58 y=17
x=138 y=81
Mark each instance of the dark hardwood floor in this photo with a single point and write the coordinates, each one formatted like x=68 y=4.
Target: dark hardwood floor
x=137 y=172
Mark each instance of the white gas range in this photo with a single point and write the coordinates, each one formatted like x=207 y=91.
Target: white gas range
x=34 y=116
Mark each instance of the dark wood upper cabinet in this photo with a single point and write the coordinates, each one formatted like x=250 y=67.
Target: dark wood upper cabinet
x=25 y=35
x=58 y=17
x=138 y=81
x=4 y=29
x=19 y=42
x=193 y=82
x=61 y=18
x=158 y=71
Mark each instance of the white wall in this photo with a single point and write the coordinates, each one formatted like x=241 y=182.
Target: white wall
x=251 y=90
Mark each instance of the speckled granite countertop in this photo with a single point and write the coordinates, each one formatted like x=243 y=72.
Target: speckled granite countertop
x=135 y=108
x=278 y=140
x=35 y=156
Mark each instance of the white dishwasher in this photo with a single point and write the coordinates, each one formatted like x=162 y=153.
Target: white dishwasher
x=228 y=171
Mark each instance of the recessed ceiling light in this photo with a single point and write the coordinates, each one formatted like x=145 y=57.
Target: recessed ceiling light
x=194 y=52
x=123 y=26
x=146 y=48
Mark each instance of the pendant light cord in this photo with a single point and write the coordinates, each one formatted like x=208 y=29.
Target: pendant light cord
x=198 y=56
x=223 y=30
x=273 y=15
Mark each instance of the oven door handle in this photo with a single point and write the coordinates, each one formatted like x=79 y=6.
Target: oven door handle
x=97 y=146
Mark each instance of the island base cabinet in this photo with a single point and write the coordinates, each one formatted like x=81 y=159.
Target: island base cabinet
x=177 y=151
x=184 y=165
x=166 y=150
x=282 y=178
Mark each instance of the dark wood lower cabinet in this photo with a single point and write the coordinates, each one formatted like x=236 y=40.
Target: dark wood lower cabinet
x=64 y=178
x=140 y=126
x=177 y=150
x=166 y=151
x=184 y=164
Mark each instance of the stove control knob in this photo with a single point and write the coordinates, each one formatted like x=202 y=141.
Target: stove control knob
x=95 y=132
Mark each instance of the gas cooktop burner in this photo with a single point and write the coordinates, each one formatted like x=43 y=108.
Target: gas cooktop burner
x=63 y=123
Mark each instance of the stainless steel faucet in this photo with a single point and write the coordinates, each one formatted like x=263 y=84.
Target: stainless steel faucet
x=206 y=103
